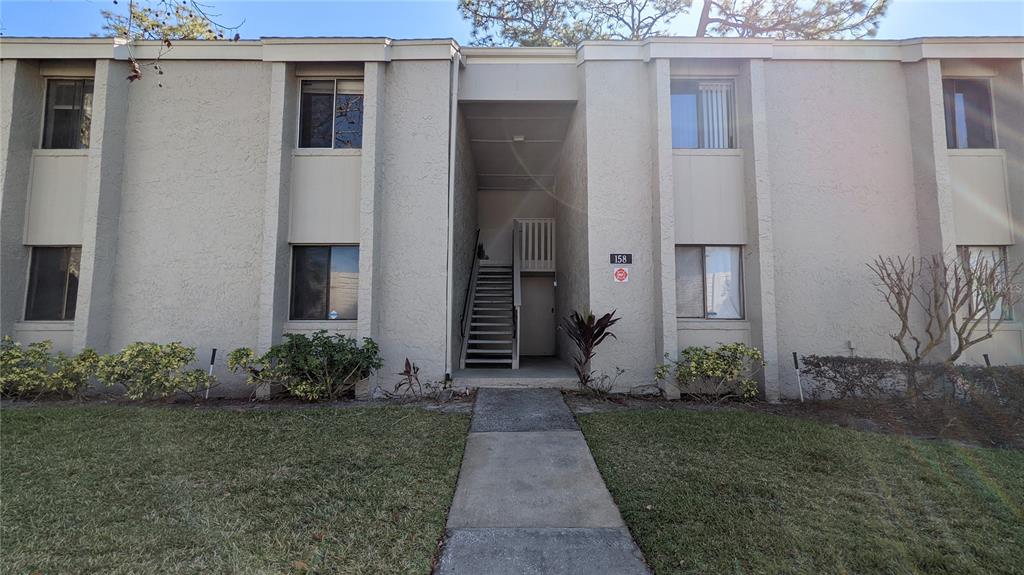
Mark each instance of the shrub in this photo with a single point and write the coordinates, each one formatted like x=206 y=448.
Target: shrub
x=721 y=373
x=318 y=367
x=152 y=370
x=35 y=370
x=587 y=332
x=840 y=377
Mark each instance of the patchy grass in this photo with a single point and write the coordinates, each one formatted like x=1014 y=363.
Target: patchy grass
x=149 y=490
x=735 y=492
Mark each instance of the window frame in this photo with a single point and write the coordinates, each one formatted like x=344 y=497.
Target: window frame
x=298 y=112
x=46 y=99
x=964 y=255
x=291 y=278
x=704 y=283
x=731 y=114
x=992 y=107
x=28 y=285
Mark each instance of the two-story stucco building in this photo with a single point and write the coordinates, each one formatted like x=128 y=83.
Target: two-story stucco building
x=453 y=202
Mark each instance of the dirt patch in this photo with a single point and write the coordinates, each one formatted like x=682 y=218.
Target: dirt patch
x=937 y=419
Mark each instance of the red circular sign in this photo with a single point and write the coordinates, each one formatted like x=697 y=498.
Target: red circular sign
x=621 y=275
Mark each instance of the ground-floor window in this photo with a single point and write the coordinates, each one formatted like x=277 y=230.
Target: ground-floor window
x=986 y=258
x=708 y=282
x=53 y=283
x=325 y=282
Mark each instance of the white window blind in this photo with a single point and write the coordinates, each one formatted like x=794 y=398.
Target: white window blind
x=714 y=101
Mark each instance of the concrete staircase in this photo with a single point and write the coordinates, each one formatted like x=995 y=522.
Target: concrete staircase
x=491 y=325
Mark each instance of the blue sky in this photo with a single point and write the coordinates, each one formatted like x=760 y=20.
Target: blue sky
x=440 y=18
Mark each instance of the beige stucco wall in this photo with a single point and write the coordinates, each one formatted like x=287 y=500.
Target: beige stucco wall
x=191 y=207
x=620 y=184
x=414 y=219
x=464 y=228
x=21 y=96
x=843 y=193
x=571 y=229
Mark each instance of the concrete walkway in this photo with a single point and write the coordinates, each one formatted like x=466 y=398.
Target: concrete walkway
x=530 y=499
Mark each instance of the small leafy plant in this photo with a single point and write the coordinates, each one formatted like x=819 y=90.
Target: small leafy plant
x=318 y=367
x=151 y=370
x=587 y=332
x=722 y=373
x=33 y=370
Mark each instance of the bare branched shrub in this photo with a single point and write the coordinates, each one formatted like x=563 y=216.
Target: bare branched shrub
x=841 y=377
x=939 y=297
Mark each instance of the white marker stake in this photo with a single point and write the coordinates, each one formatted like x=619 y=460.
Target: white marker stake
x=213 y=356
x=796 y=364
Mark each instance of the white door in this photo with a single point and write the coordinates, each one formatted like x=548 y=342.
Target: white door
x=538 y=316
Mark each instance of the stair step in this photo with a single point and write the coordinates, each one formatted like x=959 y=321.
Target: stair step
x=488 y=341
x=507 y=351
x=488 y=360
x=473 y=332
x=482 y=324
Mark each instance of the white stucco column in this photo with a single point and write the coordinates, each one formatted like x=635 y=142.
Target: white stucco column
x=21 y=106
x=764 y=331
x=666 y=331
x=102 y=206
x=274 y=267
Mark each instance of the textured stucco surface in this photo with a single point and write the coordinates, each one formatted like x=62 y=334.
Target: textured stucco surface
x=188 y=258
x=414 y=219
x=21 y=94
x=620 y=169
x=573 y=289
x=497 y=209
x=56 y=198
x=841 y=196
x=464 y=226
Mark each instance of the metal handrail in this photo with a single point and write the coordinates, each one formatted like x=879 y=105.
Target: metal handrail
x=469 y=286
x=517 y=292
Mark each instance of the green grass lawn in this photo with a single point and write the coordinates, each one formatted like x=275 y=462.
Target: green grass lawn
x=733 y=492
x=153 y=490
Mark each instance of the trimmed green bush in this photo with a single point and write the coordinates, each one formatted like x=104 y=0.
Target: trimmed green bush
x=151 y=370
x=724 y=372
x=34 y=370
x=318 y=367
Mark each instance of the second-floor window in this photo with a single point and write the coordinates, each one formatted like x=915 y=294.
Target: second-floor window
x=702 y=114
x=968 y=104
x=331 y=114
x=68 y=114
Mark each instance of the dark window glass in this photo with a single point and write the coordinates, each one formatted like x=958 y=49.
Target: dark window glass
x=325 y=282
x=316 y=114
x=708 y=282
x=702 y=112
x=348 y=121
x=968 y=105
x=53 y=284
x=331 y=114
x=68 y=114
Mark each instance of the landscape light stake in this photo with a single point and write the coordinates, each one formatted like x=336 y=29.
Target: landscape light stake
x=799 y=385
x=213 y=357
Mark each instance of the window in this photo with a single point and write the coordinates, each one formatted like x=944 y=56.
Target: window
x=331 y=114
x=702 y=112
x=325 y=282
x=708 y=282
x=53 y=284
x=990 y=257
x=968 y=104
x=68 y=114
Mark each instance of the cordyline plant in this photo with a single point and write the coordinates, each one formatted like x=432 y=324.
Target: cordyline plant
x=938 y=297
x=587 y=332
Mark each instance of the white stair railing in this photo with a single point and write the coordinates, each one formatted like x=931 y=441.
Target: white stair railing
x=535 y=244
